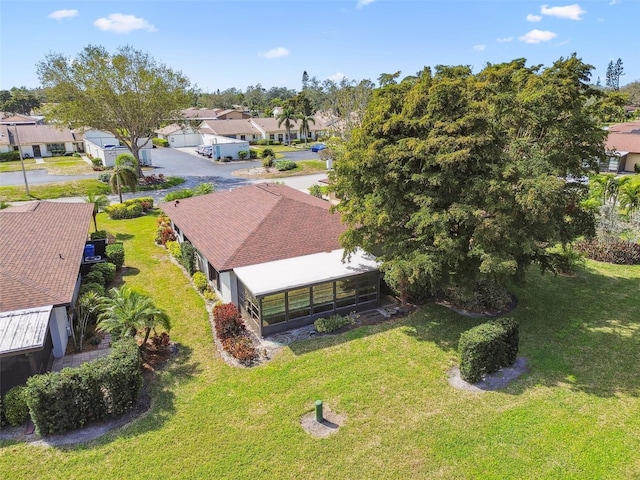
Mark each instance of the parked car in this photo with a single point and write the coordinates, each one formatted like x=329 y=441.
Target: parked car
x=207 y=151
x=199 y=149
x=318 y=146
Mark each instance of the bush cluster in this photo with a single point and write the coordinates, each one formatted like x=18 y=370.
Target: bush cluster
x=98 y=235
x=164 y=233
x=264 y=141
x=174 y=249
x=115 y=254
x=11 y=156
x=487 y=348
x=284 y=165
x=16 y=410
x=243 y=154
x=104 y=177
x=267 y=152
x=331 y=324
x=610 y=250
x=107 y=270
x=160 y=142
x=200 y=281
x=96 y=287
x=267 y=162
x=232 y=333
x=178 y=195
x=188 y=257
x=69 y=399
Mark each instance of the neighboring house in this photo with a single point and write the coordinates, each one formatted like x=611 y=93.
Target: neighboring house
x=231 y=114
x=10 y=119
x=42 y=248
x=278 y=133
x=180 y=135
x=238 y=129
x=37 y=140
x=106 y=147
x=623 y=146
x=5 y=144
x=214 y=114
x=275 y=253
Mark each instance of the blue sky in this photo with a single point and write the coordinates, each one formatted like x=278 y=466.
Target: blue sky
x=220 y=44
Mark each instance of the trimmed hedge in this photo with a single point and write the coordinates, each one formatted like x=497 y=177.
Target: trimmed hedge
x=174 y=249
x=69 y=399
x=487 y=348
x=115 y=254
x=200 y=281
x=160 y=142
x=107 y=270
x=91 y=287
x=284 y=165
x=95 y=277
x=11 y=156
x=16 y=410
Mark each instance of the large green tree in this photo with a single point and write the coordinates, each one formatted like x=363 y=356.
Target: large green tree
x=457 y=178
x=127 y=93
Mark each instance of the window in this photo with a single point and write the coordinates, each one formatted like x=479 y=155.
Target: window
x=345 y=292
x=248 y=302
x=298 y=303
x=273 y=309
x=272 y=136
x=56 y=148
x=243 y=137
x=214 y=277
x=322 y=297
x=367 y=287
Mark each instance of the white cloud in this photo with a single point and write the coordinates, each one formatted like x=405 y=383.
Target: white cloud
x=275 y=53
x=504 y=39
x=479 y=48
x=364 y=3
x=572 y=12
x=120 y=23
x=533 y=18
x=537 y=36
x=60 y=14
x=614 y=2
x=336 y=77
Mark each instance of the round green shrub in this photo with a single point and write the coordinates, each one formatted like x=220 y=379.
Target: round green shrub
x=200 y=281
x=16 y=410
x=108 y=271
x=98 y=288
x=284 y=165
x=174 y=249
x=94 y=276
x=115 y=254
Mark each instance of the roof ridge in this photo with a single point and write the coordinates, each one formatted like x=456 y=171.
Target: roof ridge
x=258 y=225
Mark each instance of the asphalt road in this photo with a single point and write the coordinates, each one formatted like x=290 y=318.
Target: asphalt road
x=194 y=168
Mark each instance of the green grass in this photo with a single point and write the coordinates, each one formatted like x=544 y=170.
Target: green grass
x=15 y=166
x=575 y=415
x=45 y=191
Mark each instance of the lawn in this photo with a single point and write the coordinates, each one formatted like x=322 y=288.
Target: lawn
x=303 y=167
x=46 y=191
x=575 y=415
x=54 y=166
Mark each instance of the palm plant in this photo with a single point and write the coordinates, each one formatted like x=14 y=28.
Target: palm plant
x=124 y=173
x=99 y=203
x=304 y=125
x=630 y=196
x=286 y=116
x=126 y=310
x=86 y=306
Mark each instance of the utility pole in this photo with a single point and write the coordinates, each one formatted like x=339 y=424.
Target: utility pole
x=24 y=172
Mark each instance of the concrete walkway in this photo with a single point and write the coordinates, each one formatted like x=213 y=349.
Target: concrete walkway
x=76 y=359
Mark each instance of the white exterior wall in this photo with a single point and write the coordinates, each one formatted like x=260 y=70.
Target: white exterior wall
x=632 y=159
x=225 y=146
x=108 y=156
x=4 y=148
x=228 y=287
x=59 y=334
x=183 y=139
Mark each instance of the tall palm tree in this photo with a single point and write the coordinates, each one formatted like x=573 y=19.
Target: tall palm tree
x=286 y=116
x=304 y=125
x=125 y=311
x=99 y=203
x=124 y=173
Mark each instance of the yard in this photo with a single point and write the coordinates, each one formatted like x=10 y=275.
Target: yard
x=575 y=415
x=54 y=166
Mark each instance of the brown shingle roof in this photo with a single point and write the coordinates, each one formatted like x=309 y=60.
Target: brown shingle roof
x=229 y=127
x=624 y=137
x=256 y=224
x=36 y=134
x=41 y=248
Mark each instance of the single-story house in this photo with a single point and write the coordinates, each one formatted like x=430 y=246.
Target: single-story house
x=274 y=252
x=42 y=250
x=278 y=133
x=180 y=135
x=623 y=146
x=36 y=140
x=195 y=113
x=106 y=147
x=10 y=119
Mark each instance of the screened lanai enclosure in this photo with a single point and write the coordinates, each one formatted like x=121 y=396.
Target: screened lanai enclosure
x=286 y=294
